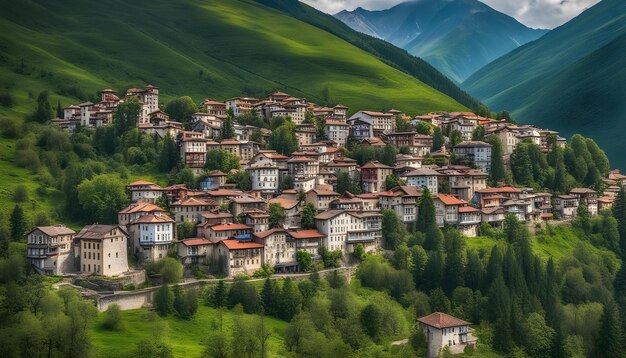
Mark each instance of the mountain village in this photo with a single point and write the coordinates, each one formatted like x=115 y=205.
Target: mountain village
x=232 y=226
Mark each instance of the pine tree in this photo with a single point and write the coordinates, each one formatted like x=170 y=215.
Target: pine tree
x=454 y=275
x=168 y=156
x=18 y=223
x=473 y=270
x=434 y=270
x=307 y=217
x=499 y=304
x=289 y=300
x=220 y=294
x=228 y=129
x=427 y=222
x=619 y=212
x=497 y=173
x=59 y=109
x=438 y=139
x=610 y=337
x=269 y=297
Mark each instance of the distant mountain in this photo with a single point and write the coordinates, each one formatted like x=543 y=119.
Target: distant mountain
x=572 y=79
x=458 y=37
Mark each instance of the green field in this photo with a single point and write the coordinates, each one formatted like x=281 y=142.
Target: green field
x=221 y=49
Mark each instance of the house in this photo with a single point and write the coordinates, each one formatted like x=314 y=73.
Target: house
x=213 y=218
x=191 y=209
x=447 y=209
x=443 y=330
x=240 y=256
x=135 y=211
x=337 y=131
x=588 y=197
x=246 y=202
x=213 y=180
x=360 y=128
x=321 y=198
x=279 y=249
x=308 y=240
x=149 y=99
x=381 y=122
x=494 y=197
x=240 y=105
x=292 y=210
x=49 y=249
x=565 y=206
x=423 y=178
x=469 y=219
x=463 y=181
x=193 y=149
x=348 y=201
x=519 y=208
x=258 y=219
x=343 y=230
x=605 y=202
x=475 y=152
x=144 y=191
x=402 y=200
x=101 y=250
x=194 y=250
x=306 y=134
x=265 y=176
x=506 y=134
x=214 y=108
x=493 y=216
x=220 y=232
x=151 y=236
x=373 y=176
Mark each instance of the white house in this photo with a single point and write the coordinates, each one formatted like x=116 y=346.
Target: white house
x=444 y=330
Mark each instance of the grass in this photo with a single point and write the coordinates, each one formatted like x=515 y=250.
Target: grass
x=222 y=49
x=185 y=337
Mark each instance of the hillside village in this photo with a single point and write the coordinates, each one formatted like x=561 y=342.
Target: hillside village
x=234 y=230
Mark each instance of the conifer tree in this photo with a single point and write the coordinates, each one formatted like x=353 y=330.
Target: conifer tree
x=289 y=300
x=610 y=338
x=220 y=294
x=438 y=139
x=59 y=109
x=427 y=222
x=228 y=129
x=18 y=223
x=269 y=297
x=497 y=173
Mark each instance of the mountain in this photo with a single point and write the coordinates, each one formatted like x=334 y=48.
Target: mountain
x=457 y=37
x=200 y=48
x=571 y=80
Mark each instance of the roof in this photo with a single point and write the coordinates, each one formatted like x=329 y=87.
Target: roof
x=306 y=234
x=234 y=244
x=422 y=172
x=230 y=226
x=192 y=202
x=140 y=183
x=582 y=191
x=468 y=209
x=442 y=320
x=374 y=164
x=140 y=207
x=450 y=199
x=266 y=233
x=97 y=231
x=472 y=144
x=324 y=192
x=283 y=202
x=196 y=242
x=504 y=189
x=154 y=219
x=55 y=230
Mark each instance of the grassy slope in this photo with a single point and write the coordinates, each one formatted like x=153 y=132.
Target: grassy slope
x=560 y=243
x=569 y=80
x=185 y=337
x=238 y=46
x=75 y=48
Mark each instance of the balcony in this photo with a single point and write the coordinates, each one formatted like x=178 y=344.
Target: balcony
x=364 y=236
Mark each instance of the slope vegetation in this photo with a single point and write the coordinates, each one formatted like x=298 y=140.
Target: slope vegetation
x=570 y=79
x=200 y=48
x=458 y=37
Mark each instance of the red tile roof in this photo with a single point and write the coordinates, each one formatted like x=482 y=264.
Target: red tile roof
x=306 y=234
x=442 y=320
x=140 y=207
x=468 y=209
x=450 y=199
x=234 y=244
x=196 y=242
x=154 y=219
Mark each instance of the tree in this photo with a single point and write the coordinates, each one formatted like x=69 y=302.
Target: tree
x=478 y=134
x=610 y=338
x=583 y=218
x=371 y=320
x=18 y=223
x=171 y=270
x=164 y=300
x=262 y=333
x=497 y=173
x=456 y=137
x=346 y=183
x=220 y=295
x=168 y=155
x=438 y=139
x=185 y=229
x=257 y=136
x=283 y=139
x=20 y=193
x=391 y=181
x=228 y=128
x=307 y=216
x=113 y=317
x=277 y=215
x=427 y=222
x=394 y=231
x=423 y=128
x=242 y=292
x=182 y=109
x=289 y=300
x=521 y=165
x=223 y=160
x=242 y=179
x=126 y=115
x=336 y=280
x=185 y=302
x=43 y=111
x=59 y=109
x=359 y=252
x=102 y=197
x=539 y=336
x=269 y=297
x=304 y=259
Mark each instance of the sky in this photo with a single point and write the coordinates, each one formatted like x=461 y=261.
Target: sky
x=546 y=14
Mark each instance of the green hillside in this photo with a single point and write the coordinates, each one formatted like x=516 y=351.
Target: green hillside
x=569 y=80
x=198 y=48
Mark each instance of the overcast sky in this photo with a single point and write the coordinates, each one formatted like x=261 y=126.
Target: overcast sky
x=533 y=13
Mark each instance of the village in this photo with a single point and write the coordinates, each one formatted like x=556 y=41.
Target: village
x=232 y=226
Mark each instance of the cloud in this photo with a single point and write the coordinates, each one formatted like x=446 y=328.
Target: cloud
x=532 y=13
x=541 y=13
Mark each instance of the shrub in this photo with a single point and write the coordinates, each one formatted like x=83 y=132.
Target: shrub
x=20 y=193
x=171 y=270
x=164 y=300
x=113 y=318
